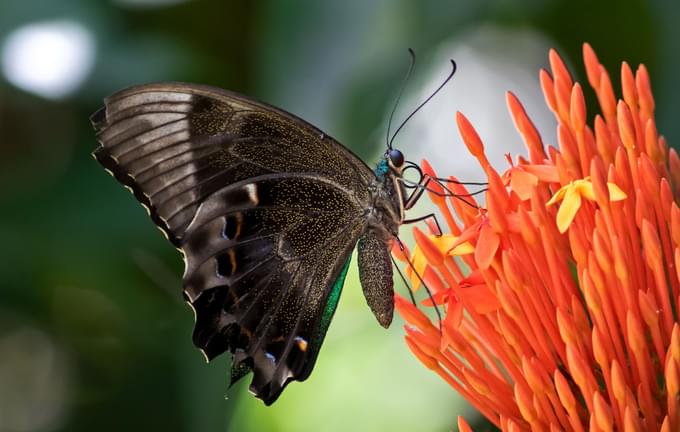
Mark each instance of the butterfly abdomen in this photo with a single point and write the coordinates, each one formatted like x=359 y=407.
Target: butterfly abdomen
x=375 y=273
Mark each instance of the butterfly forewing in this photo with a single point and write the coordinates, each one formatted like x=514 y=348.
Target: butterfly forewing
x=265 y=208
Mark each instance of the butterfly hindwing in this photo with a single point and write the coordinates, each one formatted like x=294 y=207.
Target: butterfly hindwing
x=265 y=208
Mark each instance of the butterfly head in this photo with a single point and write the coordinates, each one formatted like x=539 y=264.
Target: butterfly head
x=393 y=160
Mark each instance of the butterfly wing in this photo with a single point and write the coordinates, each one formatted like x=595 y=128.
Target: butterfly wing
x=265 y=208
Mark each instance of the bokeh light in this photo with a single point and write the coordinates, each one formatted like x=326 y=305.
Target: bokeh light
x=491 y=60
x=34 y=384
x=50 y=59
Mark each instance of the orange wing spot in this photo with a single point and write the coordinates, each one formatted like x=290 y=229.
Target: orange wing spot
x=232 y=260
x=234 y=297
x=239 y=222
x=301 y=343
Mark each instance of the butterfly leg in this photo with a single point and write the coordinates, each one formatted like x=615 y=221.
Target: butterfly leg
x=420 y=187
x=403 y=279
x=426 y=217
x=414 y=197
x=420 y=278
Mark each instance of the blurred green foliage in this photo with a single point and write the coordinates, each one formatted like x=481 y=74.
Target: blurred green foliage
x=93 y=332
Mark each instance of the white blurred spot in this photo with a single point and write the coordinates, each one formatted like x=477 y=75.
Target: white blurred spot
x=50 y=59
x=490 y=62
x=34 y=382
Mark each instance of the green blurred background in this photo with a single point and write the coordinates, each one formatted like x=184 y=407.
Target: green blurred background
x=93 y=332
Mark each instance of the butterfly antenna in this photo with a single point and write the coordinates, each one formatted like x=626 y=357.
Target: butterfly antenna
x=441 y=86
x=422 y=282
x=401 y=91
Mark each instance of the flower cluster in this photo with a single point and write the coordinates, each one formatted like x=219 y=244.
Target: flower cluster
x=562 y=294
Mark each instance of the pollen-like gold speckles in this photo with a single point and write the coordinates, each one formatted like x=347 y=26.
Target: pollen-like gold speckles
x=209 y=116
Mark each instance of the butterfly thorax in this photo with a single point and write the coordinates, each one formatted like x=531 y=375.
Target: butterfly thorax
x=386 y=209
x=384 y=214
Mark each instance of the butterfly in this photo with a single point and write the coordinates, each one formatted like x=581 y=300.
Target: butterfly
x=266 y=210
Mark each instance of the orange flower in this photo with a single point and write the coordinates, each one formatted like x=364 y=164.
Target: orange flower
x=562 y=295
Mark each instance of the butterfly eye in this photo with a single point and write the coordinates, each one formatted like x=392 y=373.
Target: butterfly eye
x=396 y=158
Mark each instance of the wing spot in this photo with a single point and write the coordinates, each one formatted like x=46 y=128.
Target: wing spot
x=226 y=263
x=252 y=193
x=232 y=226
x=270 y=357
x=232 y=260
x=233 y=295
x=301 y=343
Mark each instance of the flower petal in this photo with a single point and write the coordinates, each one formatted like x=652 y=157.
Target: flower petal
x=568 y=209
x=522 y=183
x=480 y=297
x=411 y=314
x=454 y=313
x=462 y=249
x=419 y=263
x=615 y=192
x=487 y=244
x=430 y=250
x=474 y=278
x=559 y=195
x=470 y=232
x=398 y=253
x=585 y=188
x=449 y=245
x=544 y=173
x=437 y=299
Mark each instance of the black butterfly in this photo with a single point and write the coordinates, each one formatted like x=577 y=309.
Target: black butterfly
x=266 y=210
